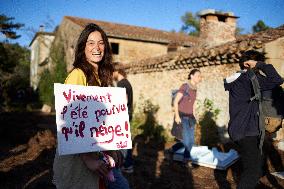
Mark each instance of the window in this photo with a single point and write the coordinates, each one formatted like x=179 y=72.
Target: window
x=221 y=18
x=115 y=48
x=172 y=47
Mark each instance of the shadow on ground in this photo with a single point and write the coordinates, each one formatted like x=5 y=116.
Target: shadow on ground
x=27 y=147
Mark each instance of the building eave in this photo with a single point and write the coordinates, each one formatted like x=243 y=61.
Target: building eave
x=40 y=33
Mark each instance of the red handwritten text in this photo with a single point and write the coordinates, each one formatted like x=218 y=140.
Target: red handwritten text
x=78 y=113
x=78 y=130
x=121 y=144
x=103 y=130
x=115 y=109
x=82 y=97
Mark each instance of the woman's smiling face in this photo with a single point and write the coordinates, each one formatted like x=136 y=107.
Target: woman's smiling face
x=95 y=48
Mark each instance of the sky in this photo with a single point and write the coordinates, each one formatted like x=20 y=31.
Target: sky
x=158 y=14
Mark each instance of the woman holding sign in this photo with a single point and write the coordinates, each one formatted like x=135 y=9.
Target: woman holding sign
x=92 y=67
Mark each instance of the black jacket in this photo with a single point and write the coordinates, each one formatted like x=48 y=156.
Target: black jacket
x=243 y=112
x=124 y=83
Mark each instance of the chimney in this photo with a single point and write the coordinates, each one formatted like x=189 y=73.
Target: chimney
x=41 y=28
x=217 y=27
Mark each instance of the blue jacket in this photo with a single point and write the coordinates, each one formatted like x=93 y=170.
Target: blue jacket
x=243 y=112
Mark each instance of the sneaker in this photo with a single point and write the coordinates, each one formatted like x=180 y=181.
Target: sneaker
x=128 y=169
x=188 y=165
x=187 y=162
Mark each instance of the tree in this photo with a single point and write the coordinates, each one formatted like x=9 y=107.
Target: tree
x=14 y=66
x=8 y=28
x=190 y=24
x=259 y=26
x=15 y=72
x=56 y=75
x=12 y=55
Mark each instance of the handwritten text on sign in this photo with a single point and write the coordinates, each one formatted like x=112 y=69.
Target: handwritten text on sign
x=91 y=118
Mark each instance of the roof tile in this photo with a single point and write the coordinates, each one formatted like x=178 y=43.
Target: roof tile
x=199 y=56
x=137 y=33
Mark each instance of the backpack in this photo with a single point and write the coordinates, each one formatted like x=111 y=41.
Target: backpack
x=273 y=108
x=270 y=105
x=175 y=91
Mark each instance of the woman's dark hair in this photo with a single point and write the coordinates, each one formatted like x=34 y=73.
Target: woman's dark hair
x=251 y=55
x=105 y=68
x=192 y=72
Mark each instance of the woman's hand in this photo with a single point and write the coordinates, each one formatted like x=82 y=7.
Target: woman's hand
x=95 y=164
x=117 y=156
x=177 y=119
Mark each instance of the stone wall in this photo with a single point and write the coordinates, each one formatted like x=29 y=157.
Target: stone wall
x=130 y=50
x=40 y=50
x=157 y=87
x=68 y=34
x=275 y=54
x=34 y=64
x=45 y=42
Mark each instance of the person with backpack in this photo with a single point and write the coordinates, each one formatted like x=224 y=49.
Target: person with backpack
x=184 y=113
x=246 y=126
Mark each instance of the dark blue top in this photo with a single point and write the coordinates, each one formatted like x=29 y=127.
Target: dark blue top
x=124 y=83
x=243 y=112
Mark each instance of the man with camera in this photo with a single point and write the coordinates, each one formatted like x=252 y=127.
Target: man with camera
x=245 y=127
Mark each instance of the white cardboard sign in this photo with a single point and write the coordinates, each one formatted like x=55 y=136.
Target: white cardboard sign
x=90 y=118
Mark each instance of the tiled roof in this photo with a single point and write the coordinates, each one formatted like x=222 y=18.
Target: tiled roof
x=199 y=56
x=137 y=33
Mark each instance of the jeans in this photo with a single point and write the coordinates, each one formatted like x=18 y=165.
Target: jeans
x=120 y=181
x=188 y=125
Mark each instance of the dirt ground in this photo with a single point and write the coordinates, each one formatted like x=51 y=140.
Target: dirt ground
x=27 y=147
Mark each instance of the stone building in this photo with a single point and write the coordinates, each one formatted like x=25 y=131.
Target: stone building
x=158 y=61
x=40 y=49
x=129 y=43
x=217 y=58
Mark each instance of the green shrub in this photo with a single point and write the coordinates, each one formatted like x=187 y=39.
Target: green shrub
x=15 y=92
x=57 y=57
x=45 y=87
x=55 y=75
